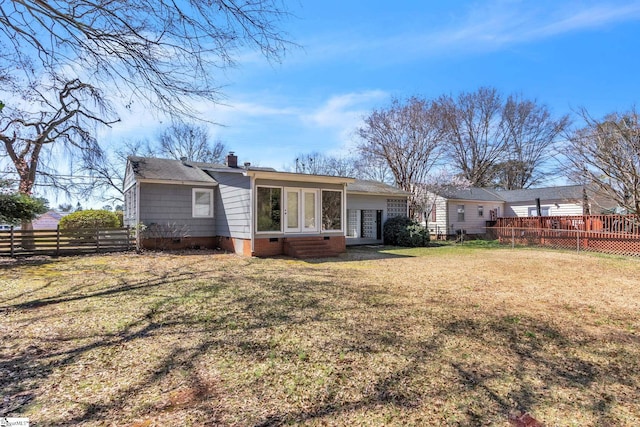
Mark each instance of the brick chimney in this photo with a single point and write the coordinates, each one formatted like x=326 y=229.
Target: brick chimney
x=232 y=160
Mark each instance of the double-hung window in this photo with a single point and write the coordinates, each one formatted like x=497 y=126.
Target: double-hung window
x=202 y=204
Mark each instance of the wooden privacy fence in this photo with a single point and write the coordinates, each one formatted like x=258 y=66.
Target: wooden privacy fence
x=65 y=242
x=617 y=234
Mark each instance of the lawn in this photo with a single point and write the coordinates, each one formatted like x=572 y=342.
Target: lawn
x=438 y=336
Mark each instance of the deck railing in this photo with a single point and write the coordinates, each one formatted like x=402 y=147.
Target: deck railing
x=65 y=242
x=617 y=234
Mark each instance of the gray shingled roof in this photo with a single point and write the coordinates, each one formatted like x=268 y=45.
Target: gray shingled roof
x=374 y=187
x=472 y=193
x=567 y=192
x=167 y=170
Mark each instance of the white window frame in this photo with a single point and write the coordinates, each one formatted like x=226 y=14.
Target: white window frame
x=316 y=210
x=194 y=191
x=342 y=211
x=287 y=215
x=480 y=211
x=282 y=209
x=533 y=211
x=461 y=211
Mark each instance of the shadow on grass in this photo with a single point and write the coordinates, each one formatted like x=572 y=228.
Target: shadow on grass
x=255 y=313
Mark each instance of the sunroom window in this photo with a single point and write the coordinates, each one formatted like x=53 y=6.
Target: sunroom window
x=331 y=210
x=268 y=208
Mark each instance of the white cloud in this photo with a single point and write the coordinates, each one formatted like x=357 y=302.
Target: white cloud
x=341 y=110
x=482 y=26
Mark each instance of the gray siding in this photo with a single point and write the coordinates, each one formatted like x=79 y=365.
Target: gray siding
x=166 y=204
x=232 y=205
x=129 y=176
x=130 y=205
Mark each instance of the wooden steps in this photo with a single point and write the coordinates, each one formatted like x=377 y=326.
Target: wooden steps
x=309 y=247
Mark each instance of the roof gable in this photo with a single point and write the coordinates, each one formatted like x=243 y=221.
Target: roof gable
x=566 y=192
x=155 y=169
x=471 y=193
x=375 y=187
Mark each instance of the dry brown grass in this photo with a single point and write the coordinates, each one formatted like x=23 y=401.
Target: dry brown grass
x=437 y=336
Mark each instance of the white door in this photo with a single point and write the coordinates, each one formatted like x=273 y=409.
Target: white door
x=310 y=210
x=292 y=210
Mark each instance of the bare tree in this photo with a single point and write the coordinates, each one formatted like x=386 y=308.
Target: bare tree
x=316 y=163
x=605 y=153
x=499 y=143
x=107 y=170
x=476 y=136
x=531 y=135
x=161 y=52
x=191 y=141
x=177 y=141
x=373 y=168
x=407 y=136
x=426 y=194
x=63 y=119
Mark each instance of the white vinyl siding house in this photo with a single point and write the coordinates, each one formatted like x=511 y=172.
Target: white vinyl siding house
x=469 y=220
x=369 y=205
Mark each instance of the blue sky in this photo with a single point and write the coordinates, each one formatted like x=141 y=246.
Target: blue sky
x=355 y=55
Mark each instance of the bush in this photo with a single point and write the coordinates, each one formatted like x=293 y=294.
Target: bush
x=120 y=215
x=402 y=231
x=90 y=219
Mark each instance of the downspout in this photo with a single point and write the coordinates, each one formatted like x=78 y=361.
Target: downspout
x=137 y=221
x=344 y=210
x=252 y=210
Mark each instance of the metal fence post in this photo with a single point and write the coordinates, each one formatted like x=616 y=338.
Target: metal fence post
x=513 y=237
x=58 y=240
x=578 y=241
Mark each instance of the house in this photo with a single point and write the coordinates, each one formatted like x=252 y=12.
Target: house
x=468 y=210
x=253 y=211
x=457 y=211
x=47 y=221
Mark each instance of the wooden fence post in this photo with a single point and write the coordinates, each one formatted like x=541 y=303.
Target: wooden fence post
x=97 y=240
x=128 y=239
x=12 y=250
x=58 y=240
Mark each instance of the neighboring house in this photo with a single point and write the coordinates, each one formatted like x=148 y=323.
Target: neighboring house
x=554 y=201
x=470 y=209
x=47 y=221
x=463 y=210
x=253 y=211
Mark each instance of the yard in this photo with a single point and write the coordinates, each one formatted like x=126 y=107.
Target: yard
x=452 y=335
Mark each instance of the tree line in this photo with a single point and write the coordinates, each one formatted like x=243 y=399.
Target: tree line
x=485 y=139
x=64 y=66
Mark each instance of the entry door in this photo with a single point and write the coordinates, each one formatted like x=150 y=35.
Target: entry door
x=292 y=210
x=301 y=213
